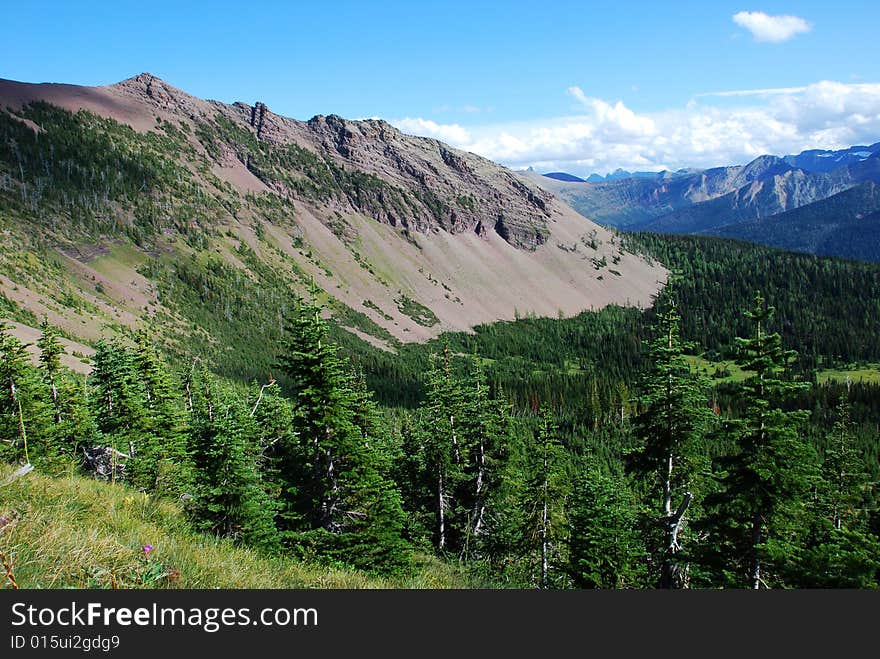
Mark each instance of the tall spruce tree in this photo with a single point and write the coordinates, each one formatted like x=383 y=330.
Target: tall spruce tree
x=335 y=501
x=764 y=484
x=605 y=549
x=669 y=430
x=117 y=399
x=51 y=351
x=839 y=551
x=229 y=497
x=543 y=500
x=444 y=451
x=25 y=417
x=73 y=426
x=486 y=423
x=160 y=462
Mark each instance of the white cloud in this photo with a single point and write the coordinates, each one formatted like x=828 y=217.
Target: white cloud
x=700 y=133
x=773 y=91
x=452 y=133
x=773 y=29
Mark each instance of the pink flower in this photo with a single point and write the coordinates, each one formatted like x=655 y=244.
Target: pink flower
x=147 y=549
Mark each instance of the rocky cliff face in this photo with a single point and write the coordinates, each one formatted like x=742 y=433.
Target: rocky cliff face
x=428 y=185
x=405 y=236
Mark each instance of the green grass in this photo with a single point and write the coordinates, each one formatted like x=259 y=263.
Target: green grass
x=125 y=255
x=418 y=312
x=869 y=374
x=723 y=371
x=68 y=531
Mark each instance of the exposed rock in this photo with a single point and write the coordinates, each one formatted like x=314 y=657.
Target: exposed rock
x=105 y=462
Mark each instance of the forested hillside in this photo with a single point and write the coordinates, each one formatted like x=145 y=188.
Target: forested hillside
x=762 y=483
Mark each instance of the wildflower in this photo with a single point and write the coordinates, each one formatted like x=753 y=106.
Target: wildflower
x=147 y=549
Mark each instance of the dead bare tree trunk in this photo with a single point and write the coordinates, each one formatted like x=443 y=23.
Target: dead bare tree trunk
x=755 y=570
x=441 y=506
x=56 y=401
x=670 y=575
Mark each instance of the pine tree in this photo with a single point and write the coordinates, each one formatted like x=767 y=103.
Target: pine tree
x=543 y=499
x=335 y=500
x=670 y=430
x=839 y=551
x=845 y=481
x=229 y=498
x=25 y=419
x=414 y=476
x=73 y=426
x=160 y=462
x=487 y=424
x=443 y=450
x=765 y=483
x=604 y=547
x=50 y=362
x=118 y=405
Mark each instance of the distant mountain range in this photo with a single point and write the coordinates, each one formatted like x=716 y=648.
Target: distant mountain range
x=755 y=202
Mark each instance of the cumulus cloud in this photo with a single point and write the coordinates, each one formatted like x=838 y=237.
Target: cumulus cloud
x=452 y=133
x=772 y=29
x=704 y=132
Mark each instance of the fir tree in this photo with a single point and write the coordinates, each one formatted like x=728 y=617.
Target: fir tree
x=839 y=551
x=543 y=499
x=486 y=422
x=73 y=426
x=229 y=498
x=669 y=430
x=335 y=500
x=764 y=485
x=117 y=402
x=25 y=418
x=604 y=547
x=443 y=449
x=51 y=351
x=160 y=462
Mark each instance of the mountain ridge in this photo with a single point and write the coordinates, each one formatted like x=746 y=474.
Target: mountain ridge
x=405 y=237
x=712 y=200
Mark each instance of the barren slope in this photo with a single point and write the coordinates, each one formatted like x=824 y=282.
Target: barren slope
x=395 y=227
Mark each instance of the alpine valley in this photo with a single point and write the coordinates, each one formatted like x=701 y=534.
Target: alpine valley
x=241 y=350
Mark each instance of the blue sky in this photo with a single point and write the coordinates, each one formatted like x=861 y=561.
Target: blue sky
x=578 y=86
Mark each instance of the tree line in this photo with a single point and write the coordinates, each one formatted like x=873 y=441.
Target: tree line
x=675 y=492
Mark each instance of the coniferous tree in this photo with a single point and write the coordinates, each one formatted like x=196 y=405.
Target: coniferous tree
x=543 y=500
x=845 y=482
x=443 y=450
x=117 y=399
x=25 y=418
x=50 y=361
x=486 y=422
x=73 y=426
x=604 y=547
x=160 y=462
x=229 y=498
x=335 y=500
x=669 y=430
x=839 y=551
x=415 y=479
x=764 y=485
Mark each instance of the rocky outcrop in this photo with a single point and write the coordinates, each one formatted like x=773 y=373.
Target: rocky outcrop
x=399 y=179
